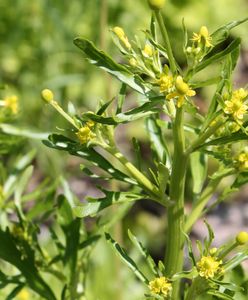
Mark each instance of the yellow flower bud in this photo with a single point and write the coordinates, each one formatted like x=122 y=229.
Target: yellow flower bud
x=156 y=4
x=133 y=62
x=119 y=32
x=242 y=238
x=204 y=31
x=181 y=86
x=47 y=95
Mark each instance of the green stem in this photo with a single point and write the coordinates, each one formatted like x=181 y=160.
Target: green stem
x=166 y=41
x=63 y=113
x=134 y=172
x=201 y=139
x=226 y=251
x=174 y=252
x=201 y=203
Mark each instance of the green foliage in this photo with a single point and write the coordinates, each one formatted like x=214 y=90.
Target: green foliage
x=180 y=139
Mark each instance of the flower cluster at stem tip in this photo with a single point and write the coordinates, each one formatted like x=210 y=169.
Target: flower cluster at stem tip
x=235 y=106
x=160 y=286
x=85 y=133
x=181 y=91
x=242 y=161
x=209 y=267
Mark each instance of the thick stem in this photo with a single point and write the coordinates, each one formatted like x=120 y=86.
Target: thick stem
x=166 y=41
x=174 y=251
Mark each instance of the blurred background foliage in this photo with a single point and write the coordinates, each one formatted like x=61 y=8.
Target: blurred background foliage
x=37 y=51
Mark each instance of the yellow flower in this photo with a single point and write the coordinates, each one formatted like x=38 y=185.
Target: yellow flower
x=160 y=286
x=24 y=295
x=203 y=37
x=165 y=82
x=85 y=134
x=148 y=51
x=209 y=266
x=235 y=106
x=182 y=90
x=122 y=36
x=11 y=102
x=242 y=160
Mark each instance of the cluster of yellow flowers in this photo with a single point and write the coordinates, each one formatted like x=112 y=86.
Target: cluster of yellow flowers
x=182 y=90
x=235 y=106
x=85 y=133
x=160 y=286
x=242 y=161
x=175 y=89
x=209 y=266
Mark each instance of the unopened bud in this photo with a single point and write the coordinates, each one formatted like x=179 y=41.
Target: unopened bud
x=242 y=238
x=156 y=4
x=47 y=95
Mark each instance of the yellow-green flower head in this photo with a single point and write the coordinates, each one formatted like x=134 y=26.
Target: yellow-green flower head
x=156 y=4
x=148 y=51
x=160 y=286
x=203 y=37
x=165 y=82
x=47 y=95
x=85 y=134
x=209 y=266
x=242 y=161
x=235 y=106
x=242 y=238
x=11 y=102
x=122 y=36
x=182 y=90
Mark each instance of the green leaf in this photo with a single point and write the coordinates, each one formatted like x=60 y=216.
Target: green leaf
x=223 y=32
x=89 y=241
x=105 y=62
x=127 y=259
x=23 y=132
x=219 y=295
x=26 y=264
x=61 y=142
x=240 y=180
x=208 y=241
x=15 y=292
x=142 y=111
x=218 y=56
x=121 y=98
x=20 y=164
x=228 y=285
x=71 y=228
x=144 y=252
x=157 y=141
x=198 y=165
x=236 y=260
x=234 y=137
x=97 y=205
